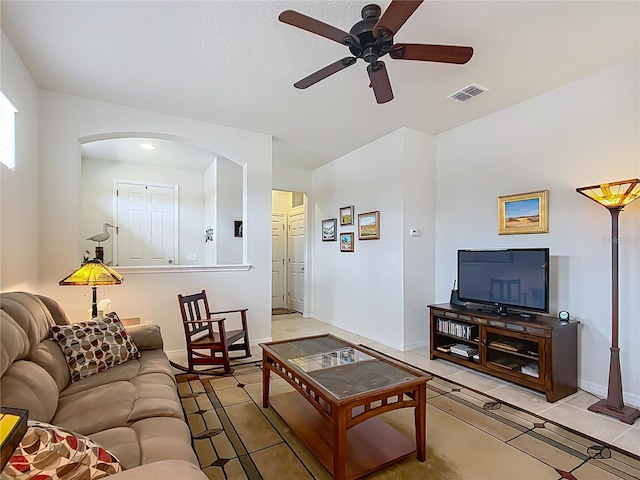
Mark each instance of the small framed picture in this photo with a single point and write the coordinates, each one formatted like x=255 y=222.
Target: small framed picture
x=237 y=228
x=346 y=242
x=346 y=215
x=369 y=225
x=523 y=213
x=329 y=227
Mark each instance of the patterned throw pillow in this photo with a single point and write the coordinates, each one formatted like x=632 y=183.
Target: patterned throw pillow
x=91 y=347
x=48 y=452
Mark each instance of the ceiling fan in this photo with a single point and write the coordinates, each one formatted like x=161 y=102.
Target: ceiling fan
x=372 y=38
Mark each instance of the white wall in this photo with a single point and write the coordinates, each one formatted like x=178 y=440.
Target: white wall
x=584 y=133
x=19 y=254
x=419 y=203
x=280 y=202
x=291 y=179
x=96 y=200
x=364 y=292
x=210 y=212
x=65 y=121
x=229 y=209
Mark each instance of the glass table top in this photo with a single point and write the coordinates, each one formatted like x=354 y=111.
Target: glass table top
x=340 y=367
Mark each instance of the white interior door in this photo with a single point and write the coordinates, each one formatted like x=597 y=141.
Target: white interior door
x=146 y=216
x=295 y=246
x=278 y=269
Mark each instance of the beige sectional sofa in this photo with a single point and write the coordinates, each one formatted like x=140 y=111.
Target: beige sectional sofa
x=132 y=410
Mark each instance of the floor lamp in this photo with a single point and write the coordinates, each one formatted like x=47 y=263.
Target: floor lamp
x=614 y=196
x=93 y=273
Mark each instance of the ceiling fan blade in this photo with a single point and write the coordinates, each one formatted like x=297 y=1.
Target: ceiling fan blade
x=431 y=53
x=396 y=14
x=323 y=73
x=380 y=82
x=319 y=28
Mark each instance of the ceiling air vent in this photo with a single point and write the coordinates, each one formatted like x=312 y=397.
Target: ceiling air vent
x=468 y=92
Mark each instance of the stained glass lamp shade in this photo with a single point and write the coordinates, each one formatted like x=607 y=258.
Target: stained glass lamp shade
x=93 y=273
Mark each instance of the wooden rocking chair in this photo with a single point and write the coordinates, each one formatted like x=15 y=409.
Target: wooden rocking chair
x=208 y=342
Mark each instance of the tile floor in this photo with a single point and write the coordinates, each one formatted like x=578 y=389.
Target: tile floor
x=570 y=411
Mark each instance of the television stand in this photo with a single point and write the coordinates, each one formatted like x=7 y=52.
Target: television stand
x=540 y=354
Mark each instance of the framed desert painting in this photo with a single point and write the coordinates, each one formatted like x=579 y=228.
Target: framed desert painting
x=329 y=229
x=346 y=215
x=346 y=242
x=369 y=226
x=523 y=213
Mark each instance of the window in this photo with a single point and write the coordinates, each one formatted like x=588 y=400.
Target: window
x=7 y=132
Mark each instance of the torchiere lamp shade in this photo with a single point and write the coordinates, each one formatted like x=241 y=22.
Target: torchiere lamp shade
x=614 y=194
x=93 y=273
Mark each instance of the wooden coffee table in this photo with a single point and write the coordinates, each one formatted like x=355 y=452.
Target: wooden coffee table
x=340 y=387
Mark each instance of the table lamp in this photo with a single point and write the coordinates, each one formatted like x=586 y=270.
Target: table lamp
x=614 y=196
x=93 y=273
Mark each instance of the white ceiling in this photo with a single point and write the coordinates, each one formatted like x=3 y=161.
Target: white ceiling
x=163 y=153
x=233 y=63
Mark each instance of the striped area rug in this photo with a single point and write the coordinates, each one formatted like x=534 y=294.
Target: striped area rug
x=469 y=436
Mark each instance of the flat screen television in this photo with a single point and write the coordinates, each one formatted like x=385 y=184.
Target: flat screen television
x=512 y=278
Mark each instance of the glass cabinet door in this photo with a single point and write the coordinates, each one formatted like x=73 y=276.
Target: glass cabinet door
x=519 y=355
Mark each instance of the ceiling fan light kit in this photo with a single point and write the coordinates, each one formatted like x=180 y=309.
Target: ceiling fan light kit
x=372 y=38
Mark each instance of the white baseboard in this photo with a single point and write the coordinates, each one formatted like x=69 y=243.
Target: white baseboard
x=181 y=353
x=601 y=391
x=416 y=345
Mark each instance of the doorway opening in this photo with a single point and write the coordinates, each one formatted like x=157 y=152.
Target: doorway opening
x=288 y=258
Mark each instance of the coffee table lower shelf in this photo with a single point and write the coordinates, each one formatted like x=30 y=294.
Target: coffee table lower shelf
x=371 y=445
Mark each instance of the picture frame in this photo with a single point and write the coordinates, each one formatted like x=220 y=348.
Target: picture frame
x=329 y=229
x=346 y=215
x=237 y=228
x=523 y=213
x=346 y=242
x=369 y=225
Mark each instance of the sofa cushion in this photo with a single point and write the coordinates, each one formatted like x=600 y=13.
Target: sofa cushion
x=55 y=309
x=149 y=440
x=150 y=361
x=163 y=470
x=50 y=357
x=92 y=347
x=50 y=452
x=27 y=385
x=119 y=403
x=30 y=313
x=13 y=342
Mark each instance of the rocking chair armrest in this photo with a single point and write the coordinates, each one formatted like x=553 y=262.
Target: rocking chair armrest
x=239 y=310
x=206 y=320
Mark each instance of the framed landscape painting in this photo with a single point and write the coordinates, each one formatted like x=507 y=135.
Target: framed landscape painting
x=346 y=215
x=523 y=213
x=329 y=229
x=369 y=225
x=346 y=242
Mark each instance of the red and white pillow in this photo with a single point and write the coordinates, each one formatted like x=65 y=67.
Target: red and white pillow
x=48 y=452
